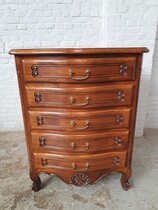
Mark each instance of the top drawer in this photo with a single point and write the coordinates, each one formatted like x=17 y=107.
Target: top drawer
x=79 y=70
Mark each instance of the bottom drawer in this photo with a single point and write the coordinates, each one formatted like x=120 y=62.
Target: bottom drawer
x=80 y=162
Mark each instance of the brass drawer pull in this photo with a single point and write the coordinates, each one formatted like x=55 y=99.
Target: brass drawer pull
x=73 y=124
x=71 y=73
x=34 y=70
x=121 y=96
x=39 y=120
x=37 y=97
x=42 y=142
x=43 y=161
x=118 y=141
x=119 y=119
x=72 y=100
x=73 y=146
x=123 y=69
x=116 y=160
x=74 y=166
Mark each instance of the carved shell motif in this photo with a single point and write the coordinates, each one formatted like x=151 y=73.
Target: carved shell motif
x=80 y=179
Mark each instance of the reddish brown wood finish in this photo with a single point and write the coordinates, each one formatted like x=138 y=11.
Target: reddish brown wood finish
x=80 y=162
x=79 y=110
x=80 y=120
x=79 y=143
x=77 y=69
x=76 y=96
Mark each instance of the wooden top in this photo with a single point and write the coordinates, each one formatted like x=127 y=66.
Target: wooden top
x=48 y=51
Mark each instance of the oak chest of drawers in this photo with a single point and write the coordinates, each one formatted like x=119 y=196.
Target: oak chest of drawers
x=79 y=109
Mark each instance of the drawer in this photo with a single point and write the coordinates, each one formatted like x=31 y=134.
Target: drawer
x=79 y=70
x=80 y=162
x=71 y=120
x=80 y=142
x=76 y=96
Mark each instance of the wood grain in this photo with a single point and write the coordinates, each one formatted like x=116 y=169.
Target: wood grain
x=79 y=109
x=78 y=96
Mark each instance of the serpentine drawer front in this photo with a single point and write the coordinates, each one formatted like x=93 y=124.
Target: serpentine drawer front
x=75 y=96
x=83 y=142
x=79 y=110
x=73 y=120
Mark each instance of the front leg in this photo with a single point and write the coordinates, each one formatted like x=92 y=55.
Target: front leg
x=125 y=180
x=36 y=186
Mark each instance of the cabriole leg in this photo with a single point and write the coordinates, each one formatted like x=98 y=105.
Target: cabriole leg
x=125 y=180
x=36 y=186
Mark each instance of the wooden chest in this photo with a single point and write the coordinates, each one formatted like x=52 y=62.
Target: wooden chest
x=79 y=110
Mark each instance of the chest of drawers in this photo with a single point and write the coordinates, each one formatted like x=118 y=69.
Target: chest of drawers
x=79 y=110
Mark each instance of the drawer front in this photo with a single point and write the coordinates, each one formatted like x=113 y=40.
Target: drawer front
x=80 y=120
x=80 y=162
x=80 y=143
x=73 y=70
x=54 y=95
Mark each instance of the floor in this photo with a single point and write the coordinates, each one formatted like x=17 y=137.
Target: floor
x=16 y=193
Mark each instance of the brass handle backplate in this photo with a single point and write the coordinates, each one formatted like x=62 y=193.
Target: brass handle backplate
x=123 y=69
x=74 y=166
x=71 y=73
x=119 y=119
x=39 y=120
x=73 y=124
x=121 y=95
x=43 y=161
x=34 y=70
x=72 y=101
x=118 y=141
x=74 y=147
x=37 y=97
x=116 y=160
x=42 y=142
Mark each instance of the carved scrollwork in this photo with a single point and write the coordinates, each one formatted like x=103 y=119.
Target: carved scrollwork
x=80 y=179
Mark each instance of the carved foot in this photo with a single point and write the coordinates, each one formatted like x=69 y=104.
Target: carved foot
x=36 y=186
x=125 y=183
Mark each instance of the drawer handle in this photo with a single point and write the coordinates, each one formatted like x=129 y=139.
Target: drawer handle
x=37 y=97
x=39 y=120
x=119 y=119
x=74 y=166
x=43 y=162
x=116 y=160
x=34 y=70
x=71 y=73
x=73 y=146
x=121 y=95
x=123 y=69
x=72 y=100
x=118 y=141
x=73 y=124
x=42 y=142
